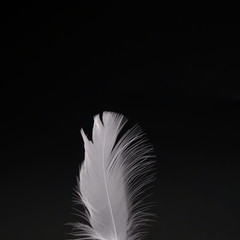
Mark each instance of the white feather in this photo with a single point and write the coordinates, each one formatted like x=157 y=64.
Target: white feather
x=112 y=178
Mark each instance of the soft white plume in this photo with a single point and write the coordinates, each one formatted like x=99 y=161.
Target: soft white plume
x=114 y=174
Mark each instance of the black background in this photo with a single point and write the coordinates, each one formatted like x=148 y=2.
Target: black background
x=175 y=71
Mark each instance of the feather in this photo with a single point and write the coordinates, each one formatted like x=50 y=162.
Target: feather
x=114 y=174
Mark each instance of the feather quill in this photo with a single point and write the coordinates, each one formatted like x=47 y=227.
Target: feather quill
x=114 y=174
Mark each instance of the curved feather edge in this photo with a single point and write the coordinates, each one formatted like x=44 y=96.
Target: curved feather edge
x=130 y=155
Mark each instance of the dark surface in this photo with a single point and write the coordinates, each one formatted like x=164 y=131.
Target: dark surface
x=174 y=72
